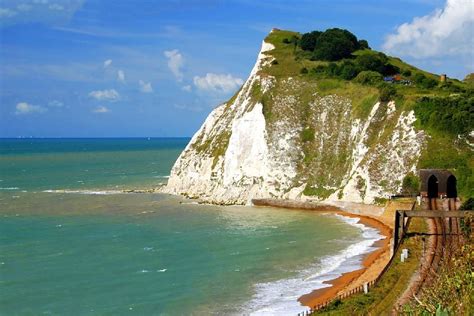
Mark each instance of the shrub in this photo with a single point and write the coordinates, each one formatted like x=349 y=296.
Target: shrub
x=332 y=44
x=335 y=44
x=449 y=86
x=448 y=114
x=389 y=69
x=332 y=69
x=468 y=205
x=372 y=62
x=307 y=134
x=308 y=40
x=451 y=292
x=304 y=70
x=319 y=69
x=406 y=73
x=292 y=40
x=387 y=92
x=424 y=82
x=410 y=184
x=368 y=77
x=348 y=70
x=376 y=62
x=429 y=83
x=363 y=44
x=418 y=78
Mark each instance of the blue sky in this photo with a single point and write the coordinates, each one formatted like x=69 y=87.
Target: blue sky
x=100 y=68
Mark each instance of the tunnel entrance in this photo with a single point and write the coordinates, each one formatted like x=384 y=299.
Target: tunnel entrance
x=432 y=187
x=451 y=191
x=435 y=186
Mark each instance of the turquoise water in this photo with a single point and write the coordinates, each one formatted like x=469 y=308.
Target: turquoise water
x=83 y=253
x=54 y=164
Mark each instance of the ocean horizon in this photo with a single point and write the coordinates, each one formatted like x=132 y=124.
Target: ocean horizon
x=73 y=242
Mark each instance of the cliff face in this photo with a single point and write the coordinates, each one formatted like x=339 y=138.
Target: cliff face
x=284 y=136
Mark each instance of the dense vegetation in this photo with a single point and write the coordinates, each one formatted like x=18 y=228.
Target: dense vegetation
x=410 y=184
x=452 y=290
x=448 y=120
x=338 y=53
x=452 y=114
x=332 y=44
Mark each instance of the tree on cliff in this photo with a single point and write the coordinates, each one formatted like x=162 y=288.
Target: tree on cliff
x=332 y=44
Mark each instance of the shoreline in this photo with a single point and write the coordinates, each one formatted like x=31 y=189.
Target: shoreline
x=372 y=263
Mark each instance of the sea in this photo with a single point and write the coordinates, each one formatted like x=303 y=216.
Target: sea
x=73 y=243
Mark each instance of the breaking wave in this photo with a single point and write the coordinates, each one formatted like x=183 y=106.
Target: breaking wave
x=281 y=297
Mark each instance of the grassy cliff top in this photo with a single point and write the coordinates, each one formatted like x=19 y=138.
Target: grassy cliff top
x=292 y=60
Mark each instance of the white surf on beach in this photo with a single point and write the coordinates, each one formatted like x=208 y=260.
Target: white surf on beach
x=89 y=192
x=281 y=297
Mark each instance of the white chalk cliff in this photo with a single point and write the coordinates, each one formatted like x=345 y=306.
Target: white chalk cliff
x=254 y=146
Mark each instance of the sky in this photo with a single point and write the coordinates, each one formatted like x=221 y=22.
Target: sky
x=142 y=68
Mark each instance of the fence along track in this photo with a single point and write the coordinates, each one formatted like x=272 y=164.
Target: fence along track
x=445 y=237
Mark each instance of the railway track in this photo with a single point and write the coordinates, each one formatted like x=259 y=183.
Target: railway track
x=443 y=238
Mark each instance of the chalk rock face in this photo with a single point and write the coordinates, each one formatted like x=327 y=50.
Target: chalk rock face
x=281 y=137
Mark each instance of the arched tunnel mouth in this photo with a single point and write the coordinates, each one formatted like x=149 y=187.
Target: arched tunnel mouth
x=451 y=190
x=432 y=187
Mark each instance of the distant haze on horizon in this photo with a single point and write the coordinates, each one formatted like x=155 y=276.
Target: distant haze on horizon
x=102 y=68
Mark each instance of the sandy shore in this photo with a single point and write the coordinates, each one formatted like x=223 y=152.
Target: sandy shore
x=373 y=263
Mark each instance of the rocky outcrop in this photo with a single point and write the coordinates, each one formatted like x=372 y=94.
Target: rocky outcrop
x=280 y=137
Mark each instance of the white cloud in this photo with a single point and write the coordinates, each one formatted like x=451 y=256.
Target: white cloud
x=24 y=7
x=175 y=62
x=6 y=13
x=145 y=87
x=121 y=76
x=449 y=31
x=56 y=7
x=57 y=12
x=55 y=104
x=186 y=88
x=218 y=82
x=107 y=63
x=105 y=95
x=101 y=109
x=26 y=108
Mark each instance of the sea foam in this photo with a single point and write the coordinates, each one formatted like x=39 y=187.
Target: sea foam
x=89 y=192
x=281 y=297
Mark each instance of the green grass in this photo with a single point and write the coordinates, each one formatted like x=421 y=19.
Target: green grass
x=452 y=291
x=317 y=191
x=362 y=106
x=362 y=97
x=398 y=62
x=327 y=86
x=290 y=59
x=214 y=147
